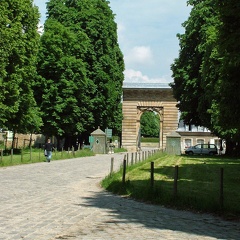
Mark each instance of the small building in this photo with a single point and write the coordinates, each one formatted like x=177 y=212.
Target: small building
x=173 y=145
x=192 y=135
x=99 y=141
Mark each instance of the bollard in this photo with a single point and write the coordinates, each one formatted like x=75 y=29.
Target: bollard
x=111 y=168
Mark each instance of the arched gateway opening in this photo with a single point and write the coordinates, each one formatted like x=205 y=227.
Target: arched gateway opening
x=152 y=97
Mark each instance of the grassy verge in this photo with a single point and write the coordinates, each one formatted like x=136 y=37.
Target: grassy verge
x=37 y=155
x=198 y=185
x=119 y=150
x=149 y=140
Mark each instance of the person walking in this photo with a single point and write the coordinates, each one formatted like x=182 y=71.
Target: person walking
x=48 y=149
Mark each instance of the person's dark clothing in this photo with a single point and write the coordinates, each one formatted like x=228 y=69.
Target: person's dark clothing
x=49 y=147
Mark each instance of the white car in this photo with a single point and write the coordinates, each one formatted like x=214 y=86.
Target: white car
x=209 y=149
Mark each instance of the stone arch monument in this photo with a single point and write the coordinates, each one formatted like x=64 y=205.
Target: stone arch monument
x=152 y=97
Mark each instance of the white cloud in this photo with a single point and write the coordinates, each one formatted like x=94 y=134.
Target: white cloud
x=134 y=76
x=120 y=28
x=146 y=35
x=139 y=55
x=40 y=28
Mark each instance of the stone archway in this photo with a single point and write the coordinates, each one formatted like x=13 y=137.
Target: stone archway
x=159 y=110
x=136 y=100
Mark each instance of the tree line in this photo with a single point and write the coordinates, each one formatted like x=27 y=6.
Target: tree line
x=206 y=73
x=67 y=81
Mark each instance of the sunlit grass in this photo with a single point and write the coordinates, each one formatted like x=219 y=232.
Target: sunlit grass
x=37 y=155
x=198 y=183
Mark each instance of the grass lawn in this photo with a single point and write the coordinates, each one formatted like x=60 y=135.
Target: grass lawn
x=198 y=184
x=37 y=155
x=149 y=140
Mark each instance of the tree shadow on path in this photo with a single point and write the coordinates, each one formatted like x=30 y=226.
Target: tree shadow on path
x=154 y=217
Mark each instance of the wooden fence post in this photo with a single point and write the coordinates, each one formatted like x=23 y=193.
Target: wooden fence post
x=39 y=153
x=221 y=188
x=124 y=171
x=152 y=174
x=11 y=156
x=22 y=155
x=1 y=155
x=73 y=153
x=175 y=181
x=132 y=159
x=31 y=154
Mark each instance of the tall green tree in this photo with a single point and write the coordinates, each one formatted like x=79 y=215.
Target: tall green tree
x=19 y=43
x=229 y=51
x=194 y=92
x=91 y=23
x=204 y=81
x=63 y=90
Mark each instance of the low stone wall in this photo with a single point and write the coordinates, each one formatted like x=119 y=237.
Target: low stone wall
x=22 y=140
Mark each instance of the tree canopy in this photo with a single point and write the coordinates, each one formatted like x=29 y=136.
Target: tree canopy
x=80 y=67
x=18 y=49
x=206 y=72
x=150 y=124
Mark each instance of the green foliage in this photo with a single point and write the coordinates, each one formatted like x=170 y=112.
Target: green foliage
x=34 y=155
x=63 y=89
x=150 y=140
x=150 y=124
x=2 y=145
x=198 y=183
x=206 y=71
x=119 y=150
x=81 y=68
x=19 y=45
x=229 y=49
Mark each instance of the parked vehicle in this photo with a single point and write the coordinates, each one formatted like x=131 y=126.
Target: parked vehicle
x=210 y=149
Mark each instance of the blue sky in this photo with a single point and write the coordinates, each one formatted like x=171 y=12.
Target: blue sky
x=147 y=36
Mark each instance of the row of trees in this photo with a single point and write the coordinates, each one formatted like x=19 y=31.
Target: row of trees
x=66 y=82
x=206 y=73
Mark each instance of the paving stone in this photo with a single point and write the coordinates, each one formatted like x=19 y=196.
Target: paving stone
x=63 y=200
